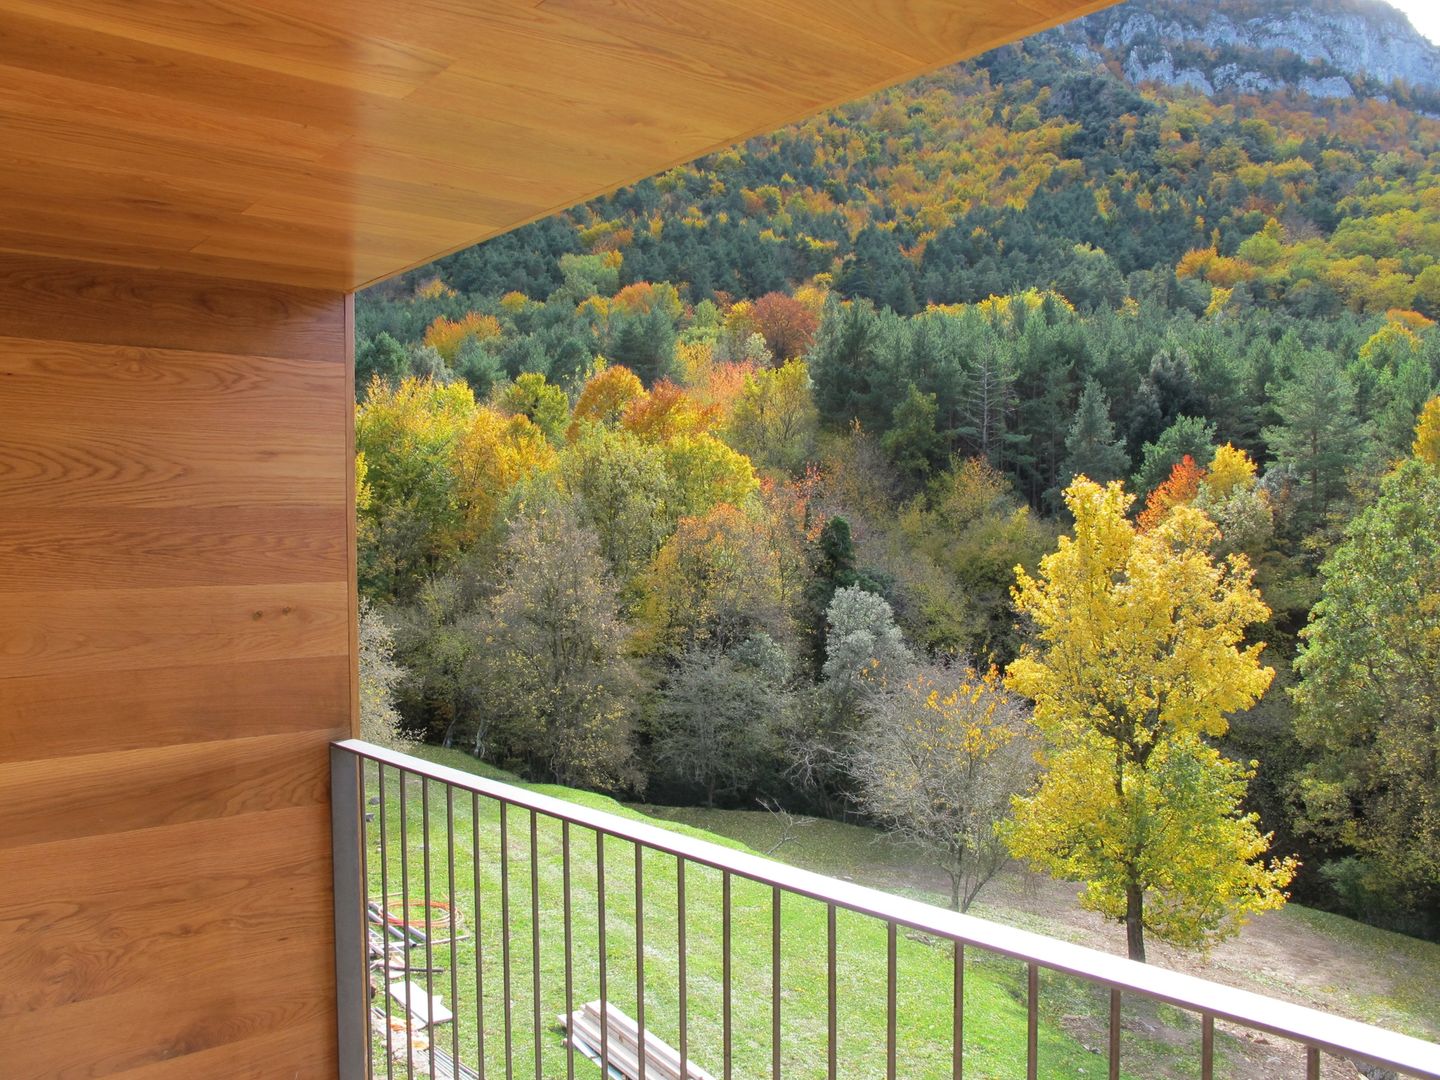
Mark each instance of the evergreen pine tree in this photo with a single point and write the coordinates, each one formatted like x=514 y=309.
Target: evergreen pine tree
x=1319 y=436
x=1091 y=446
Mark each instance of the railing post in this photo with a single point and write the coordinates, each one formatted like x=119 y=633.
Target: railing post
x=351 y=972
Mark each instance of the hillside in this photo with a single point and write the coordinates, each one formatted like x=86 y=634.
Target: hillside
x=1041 y=166
x=861 y=360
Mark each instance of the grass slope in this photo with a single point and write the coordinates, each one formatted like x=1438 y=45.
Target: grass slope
x=1311 y=957
x=995 y=1020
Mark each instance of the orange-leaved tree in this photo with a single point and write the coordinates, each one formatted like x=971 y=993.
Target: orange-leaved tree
x=1182 y=485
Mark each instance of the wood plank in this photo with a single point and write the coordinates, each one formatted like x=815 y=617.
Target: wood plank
x=177 y=647
x=42 y=298
x=137 y=255
x=474 y=116
x=50 y=468
x=89 y=630
x=167 y=785
x=114 y=913
x=131 y=710
x=36 y=45
x=285 y=40
x=157 y=1022
x=54 y=380
x=128 y=547
x=301 y=1051
x=148 y=115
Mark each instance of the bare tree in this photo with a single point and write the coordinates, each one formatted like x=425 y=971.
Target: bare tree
x=718 y=715
x=379 y=676
x=938 y=759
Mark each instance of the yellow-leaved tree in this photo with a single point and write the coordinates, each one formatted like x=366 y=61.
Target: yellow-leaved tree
x=1427 y=433
x=1138 y=656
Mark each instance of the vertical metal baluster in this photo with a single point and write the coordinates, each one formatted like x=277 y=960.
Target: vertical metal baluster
x=569 y=954
x=604 y=964
x=725 y=969
x=1114 y=1033
x=640 y=958
x=890 y=1003
x=957 y=1062
x=832 y=1056
x=1312 y=1063
x=405 y=924
x=429 y=921
x=505 y=937
x=684 y=973
x=385 y=932
x=365 y=919
x=775 y=983
x=1032 y=1022
x=1207 y=1046
x=454 y=930
x=479 y=934
x=535 y=936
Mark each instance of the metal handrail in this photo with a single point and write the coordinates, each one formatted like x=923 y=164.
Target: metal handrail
x=1317 y=1031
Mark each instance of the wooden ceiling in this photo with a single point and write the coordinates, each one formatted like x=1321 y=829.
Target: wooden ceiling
x=332 y=143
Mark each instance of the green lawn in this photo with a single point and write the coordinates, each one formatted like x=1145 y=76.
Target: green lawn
x=994 y=1002
x=1157 y=1041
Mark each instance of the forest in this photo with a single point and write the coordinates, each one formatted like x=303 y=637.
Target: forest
x=810 y=474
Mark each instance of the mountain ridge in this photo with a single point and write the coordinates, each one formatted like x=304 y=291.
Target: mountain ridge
x=1331 y=49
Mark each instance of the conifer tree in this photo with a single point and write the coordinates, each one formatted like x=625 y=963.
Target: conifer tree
x=1091 y=447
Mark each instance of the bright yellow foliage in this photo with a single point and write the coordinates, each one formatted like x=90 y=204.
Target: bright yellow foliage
x=363 y=494
x=1427 y=433
x=494 y=454
x=434 y=289
x=604 y=397
x=707 y=473
x=1229 y=469
x=406 y=435
x=1139 y=656
x=1219 y=301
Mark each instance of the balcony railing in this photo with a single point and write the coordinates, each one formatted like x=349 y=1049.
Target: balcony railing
x=518 y=908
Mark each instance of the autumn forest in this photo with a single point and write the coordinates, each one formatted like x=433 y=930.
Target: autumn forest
x=1031 y=463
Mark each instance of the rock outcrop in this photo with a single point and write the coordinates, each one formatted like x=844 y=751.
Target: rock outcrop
x=1326 y=49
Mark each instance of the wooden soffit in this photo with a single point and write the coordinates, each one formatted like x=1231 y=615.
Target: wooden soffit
x=332 y=143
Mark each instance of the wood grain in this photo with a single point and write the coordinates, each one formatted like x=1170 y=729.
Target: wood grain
x=125 y=546
x=53 y=717
x=58 y=299
x=177 y=648
x=178 y=136
x=290 y=1053
x=80 y=631
x=146 y=789
x=154 y=903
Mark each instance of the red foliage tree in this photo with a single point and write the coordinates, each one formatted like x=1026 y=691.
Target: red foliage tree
x=786 y=324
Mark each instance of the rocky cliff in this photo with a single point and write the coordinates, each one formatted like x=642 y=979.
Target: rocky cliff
x=1326 y=49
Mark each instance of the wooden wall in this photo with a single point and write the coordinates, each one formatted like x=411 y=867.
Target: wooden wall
x=176 y=650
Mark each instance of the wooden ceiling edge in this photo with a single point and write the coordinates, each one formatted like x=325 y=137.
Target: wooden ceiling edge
x=1079 y=11
x=342 y=280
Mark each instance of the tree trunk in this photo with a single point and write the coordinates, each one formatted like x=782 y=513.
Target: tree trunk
x=1135 y=922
